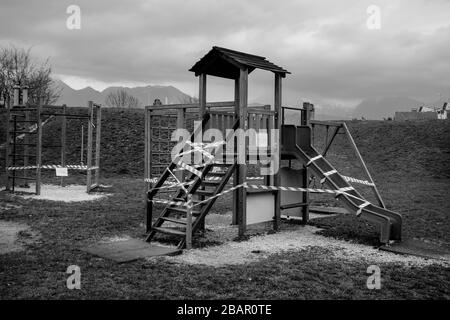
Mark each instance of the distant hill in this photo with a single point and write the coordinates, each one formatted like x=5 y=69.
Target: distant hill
x=379 y=108
x=146 y=95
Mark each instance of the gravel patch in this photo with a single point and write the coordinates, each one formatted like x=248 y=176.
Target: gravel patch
x=302 y=238
x=70 y=193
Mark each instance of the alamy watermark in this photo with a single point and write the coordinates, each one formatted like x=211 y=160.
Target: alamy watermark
x=74 y=280
x=374 y=19
x=374 y=280
x=73 y=22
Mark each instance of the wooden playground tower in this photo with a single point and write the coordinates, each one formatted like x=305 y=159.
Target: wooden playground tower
x=24 y=141
x=235 y=66
x=252 y=204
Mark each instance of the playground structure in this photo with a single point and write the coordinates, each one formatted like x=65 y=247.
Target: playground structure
x=24 y=142
x=192 y=190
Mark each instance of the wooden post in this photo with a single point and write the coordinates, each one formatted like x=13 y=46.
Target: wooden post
x=243 y=124
x=189 y=222
x=63 y=140
x=8 y=140
x=181 y=113
x=16 y=95
x=277 y=107
x=38 y=147
x=236 y=193
x=26 y=141
x=98 y=133
x=146 y=150
x=24 y=95
x=89 y=147
x=305 y=196
x=202 y=94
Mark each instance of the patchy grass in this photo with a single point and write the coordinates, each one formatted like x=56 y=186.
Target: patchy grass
x=64 y=227
x=410 y=168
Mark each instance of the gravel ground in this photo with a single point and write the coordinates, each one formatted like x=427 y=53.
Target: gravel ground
x=70 y=193
x=297 y=239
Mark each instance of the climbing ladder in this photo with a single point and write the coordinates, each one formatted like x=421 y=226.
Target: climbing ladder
x=209 y=181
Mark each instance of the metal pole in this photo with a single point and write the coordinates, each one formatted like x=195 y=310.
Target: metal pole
x=38 y=147
x=355 y=148
x=189 y=222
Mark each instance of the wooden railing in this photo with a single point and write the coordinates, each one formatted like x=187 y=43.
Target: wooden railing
x=162 y=120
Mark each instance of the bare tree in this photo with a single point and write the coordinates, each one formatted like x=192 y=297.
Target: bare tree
x=17 y=67
x=122 y=99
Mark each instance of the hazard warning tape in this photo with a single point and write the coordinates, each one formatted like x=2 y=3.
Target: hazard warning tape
x=189 y=168
x=51 y=166
x=361 y=207
x=168 y=202
x=314 y=159
x=365 y=182
x=220 y=194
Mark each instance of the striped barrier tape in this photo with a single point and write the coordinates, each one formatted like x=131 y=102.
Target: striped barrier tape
x=327 y=174
x=189 y=168
x=361 y=207
x=263 y=187
x=365 y=182
x=168 y=202
x=314 y=159
x=221 y=194
x=51 y=166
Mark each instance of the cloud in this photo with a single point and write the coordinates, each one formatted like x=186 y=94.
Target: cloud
x=333 y=57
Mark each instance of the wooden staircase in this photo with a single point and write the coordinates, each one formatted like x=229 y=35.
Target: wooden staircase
x=172 y=220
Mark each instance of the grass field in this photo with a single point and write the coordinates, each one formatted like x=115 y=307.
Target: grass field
x=409 y=162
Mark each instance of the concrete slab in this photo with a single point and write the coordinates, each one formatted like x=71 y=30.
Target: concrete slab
x=419 y=248
x=129 y=250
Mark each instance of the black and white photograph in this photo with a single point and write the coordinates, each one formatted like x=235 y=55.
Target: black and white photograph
x=224 y=156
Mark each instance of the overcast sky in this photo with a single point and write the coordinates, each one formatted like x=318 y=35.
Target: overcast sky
x=334 y=57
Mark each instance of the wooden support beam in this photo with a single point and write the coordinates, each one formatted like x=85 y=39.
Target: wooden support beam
x=146 y=148
x=98 y=133
x=38 y=147
x=181 y=114
x=8 y=140
x=328 y=145
x=202 y=94
x=277 y=178
x=305 y=195
x=236 y=193
x=243 y=124
x=189 y=222
x=63 y=140
x=89 y=146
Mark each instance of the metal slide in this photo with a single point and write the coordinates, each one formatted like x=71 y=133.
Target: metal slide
x=296 y=142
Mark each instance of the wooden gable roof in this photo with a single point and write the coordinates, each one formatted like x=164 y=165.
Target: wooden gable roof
x=226 y=63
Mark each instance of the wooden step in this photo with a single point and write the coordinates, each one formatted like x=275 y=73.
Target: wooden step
x=211 y=182
x=170 y=231
x=183 y=210
x=179 y=221
x=222 y=164
x=204 y=192
x=216 y=174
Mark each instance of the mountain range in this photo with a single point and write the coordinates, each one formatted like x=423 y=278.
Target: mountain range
x=146 y=95
x=370 y=109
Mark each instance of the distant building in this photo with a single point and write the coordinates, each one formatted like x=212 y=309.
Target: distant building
x=422 y=113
